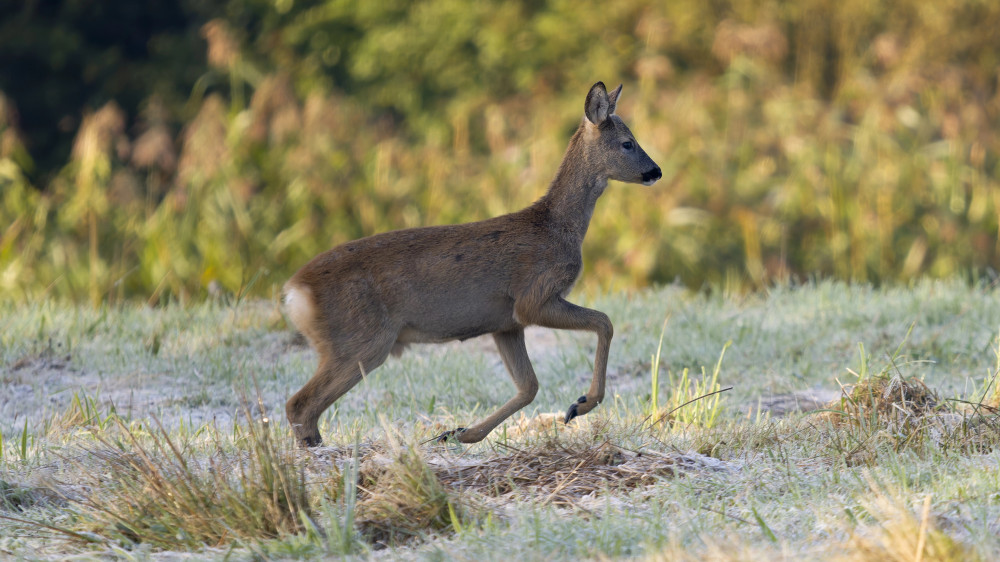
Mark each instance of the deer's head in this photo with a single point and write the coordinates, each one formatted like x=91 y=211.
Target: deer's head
x=611 y=145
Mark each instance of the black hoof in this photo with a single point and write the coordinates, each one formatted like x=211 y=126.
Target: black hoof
x=448 y=435
x=311 y=441
x=572 y=412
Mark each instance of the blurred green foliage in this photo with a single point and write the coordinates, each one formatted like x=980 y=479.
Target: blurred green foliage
x=850 y=138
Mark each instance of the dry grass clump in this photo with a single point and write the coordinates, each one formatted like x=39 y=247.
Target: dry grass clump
x=406 y=492
x=403 y=499
x=561 y=474
x=159 y=493
x=894 y=398
x=885 y=410
x=903 y=412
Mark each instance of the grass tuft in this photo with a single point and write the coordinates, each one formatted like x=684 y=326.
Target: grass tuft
x=692 y=402
x=162 y=495
x=404 y=499
x=887 y=400
x=885 y=407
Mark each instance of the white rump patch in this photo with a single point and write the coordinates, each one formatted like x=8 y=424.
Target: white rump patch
x=299 y=306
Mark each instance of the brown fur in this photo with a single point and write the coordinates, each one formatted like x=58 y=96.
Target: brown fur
x=365 y=299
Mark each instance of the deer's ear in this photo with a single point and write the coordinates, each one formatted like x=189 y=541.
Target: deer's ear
x=597 y=107
x=613 y=99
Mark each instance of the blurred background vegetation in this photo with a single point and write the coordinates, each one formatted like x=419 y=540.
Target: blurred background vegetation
x=163 y=149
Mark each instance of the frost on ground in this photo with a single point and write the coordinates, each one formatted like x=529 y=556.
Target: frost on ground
x=849 y=404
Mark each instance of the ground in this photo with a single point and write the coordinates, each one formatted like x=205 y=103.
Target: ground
x=860 y=424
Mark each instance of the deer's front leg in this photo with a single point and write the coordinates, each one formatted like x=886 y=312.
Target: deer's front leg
x=560 y=314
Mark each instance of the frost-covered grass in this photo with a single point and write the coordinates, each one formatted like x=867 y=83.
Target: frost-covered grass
x=118 y=422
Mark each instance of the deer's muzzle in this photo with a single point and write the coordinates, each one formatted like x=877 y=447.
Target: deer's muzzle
x=650 y=177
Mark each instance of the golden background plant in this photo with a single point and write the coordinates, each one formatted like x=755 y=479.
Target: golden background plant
x=857 y=140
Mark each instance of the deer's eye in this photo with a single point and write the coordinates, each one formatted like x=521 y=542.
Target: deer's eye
x=627 y=145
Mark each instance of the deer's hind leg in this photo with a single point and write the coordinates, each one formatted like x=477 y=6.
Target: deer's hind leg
x=515 y=358
x=337 y=373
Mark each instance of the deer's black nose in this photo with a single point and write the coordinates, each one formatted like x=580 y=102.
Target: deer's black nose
x=652 y=175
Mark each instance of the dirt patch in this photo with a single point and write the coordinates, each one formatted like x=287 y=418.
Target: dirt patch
x=31 y=385
x=39 y=386
x=800 y=401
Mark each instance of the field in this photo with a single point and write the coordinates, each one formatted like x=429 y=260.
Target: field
x=806 y=306
x=861 y=424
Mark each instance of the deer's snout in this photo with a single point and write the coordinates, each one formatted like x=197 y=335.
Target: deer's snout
x=649 y=177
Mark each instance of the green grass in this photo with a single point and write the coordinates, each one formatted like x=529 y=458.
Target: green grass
x=116 y=447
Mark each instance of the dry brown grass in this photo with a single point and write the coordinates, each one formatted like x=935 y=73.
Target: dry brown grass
x=895 y=399
x=903 y=412
x=410 y=492
x=404 y=499
x=883 y=411
x=561 y=474
x=149 y=488
x=896 y=413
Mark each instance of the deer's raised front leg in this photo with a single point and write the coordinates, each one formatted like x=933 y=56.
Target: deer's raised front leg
x=557 y=313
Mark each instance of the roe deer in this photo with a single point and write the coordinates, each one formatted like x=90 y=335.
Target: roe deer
x=365 y=299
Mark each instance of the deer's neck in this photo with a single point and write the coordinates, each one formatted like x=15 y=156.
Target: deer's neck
x=574 y=192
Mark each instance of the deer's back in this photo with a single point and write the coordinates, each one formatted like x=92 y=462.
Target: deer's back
x=440 y=282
